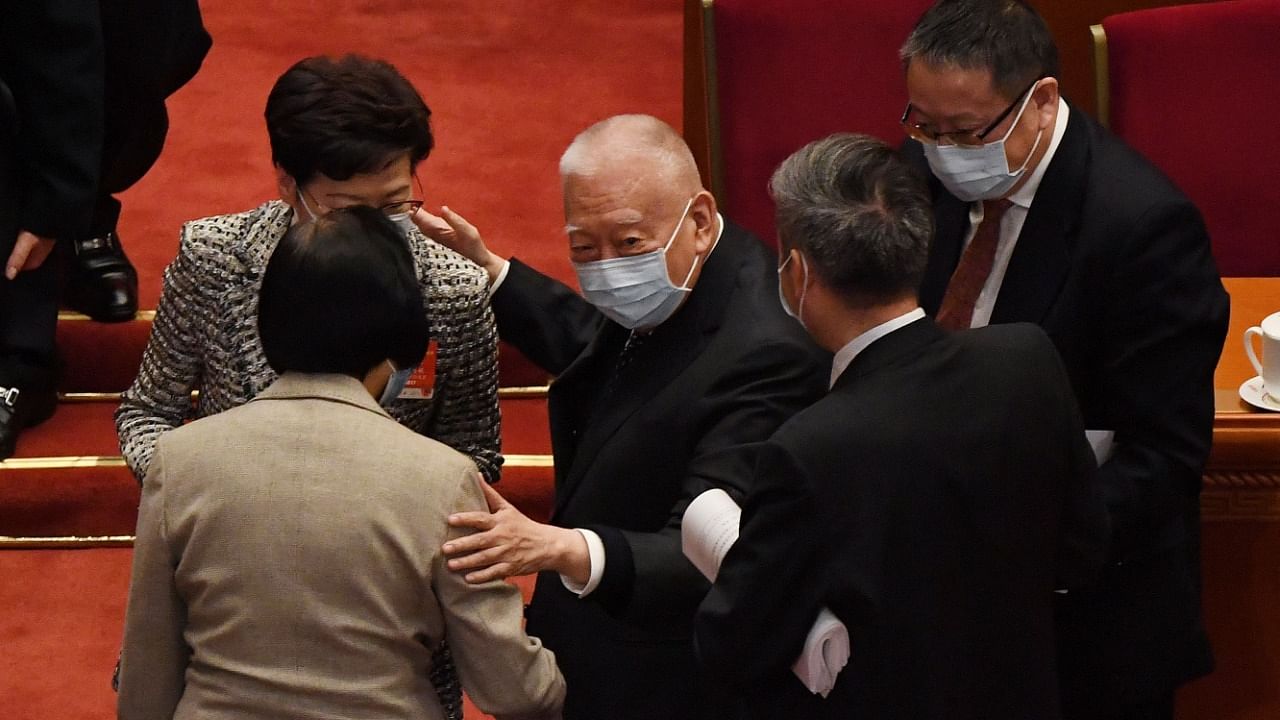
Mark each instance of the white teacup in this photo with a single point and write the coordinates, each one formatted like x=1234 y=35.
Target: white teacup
x=1269 y=366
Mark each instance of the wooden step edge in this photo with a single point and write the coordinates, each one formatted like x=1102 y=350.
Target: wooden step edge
x=529 y=392
x=88 y=397
x=526 y=391
x=65 y=462
x=72 y=316
x=65 y=542
x=70 y=462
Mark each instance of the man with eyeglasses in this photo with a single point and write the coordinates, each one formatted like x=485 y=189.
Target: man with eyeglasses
x=1041 y=215
x=344 y=131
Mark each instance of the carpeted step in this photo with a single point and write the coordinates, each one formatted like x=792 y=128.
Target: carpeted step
x=68 y=479
x=102 y=358
x=98 y=357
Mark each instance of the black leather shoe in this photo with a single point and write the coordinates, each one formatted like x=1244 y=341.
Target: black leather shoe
x=101 y=283
x=19 y=411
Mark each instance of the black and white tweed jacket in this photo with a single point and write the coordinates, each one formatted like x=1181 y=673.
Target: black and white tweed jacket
x=205 y=337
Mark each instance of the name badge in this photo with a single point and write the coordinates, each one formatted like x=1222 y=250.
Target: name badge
x=422 y=383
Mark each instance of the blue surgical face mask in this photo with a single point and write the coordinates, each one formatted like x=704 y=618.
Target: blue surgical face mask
x=786 y=307
x=302 y=199
x=404 y=221
x=636 y=292
x=395 y=384
x=979 y=173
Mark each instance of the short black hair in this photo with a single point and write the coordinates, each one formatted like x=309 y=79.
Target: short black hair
x=1006 y=37
x=345 y=116
x=340 y=294
x=860 y=214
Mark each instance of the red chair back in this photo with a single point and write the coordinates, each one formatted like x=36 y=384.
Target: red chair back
x=790 y=72
x=1193 y=88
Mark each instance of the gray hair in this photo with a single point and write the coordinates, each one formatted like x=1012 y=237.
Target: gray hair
x=1006 y=37
x=859 y=213
x=634 y=138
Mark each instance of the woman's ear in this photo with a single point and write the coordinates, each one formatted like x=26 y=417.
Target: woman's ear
x=287 y=186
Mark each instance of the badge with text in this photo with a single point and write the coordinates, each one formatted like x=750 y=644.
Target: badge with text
x=422 y=383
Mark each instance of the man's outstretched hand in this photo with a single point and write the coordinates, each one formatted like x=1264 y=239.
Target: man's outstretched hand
x=508 y=543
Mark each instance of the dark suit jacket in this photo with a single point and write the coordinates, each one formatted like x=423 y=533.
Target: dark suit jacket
x=86 y=116
x=687 y=414
x=1114 y=263
x=51 y=61
x=932 y=501
x=82 y=89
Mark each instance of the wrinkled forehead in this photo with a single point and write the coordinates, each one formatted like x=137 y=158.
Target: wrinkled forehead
x=620 y=195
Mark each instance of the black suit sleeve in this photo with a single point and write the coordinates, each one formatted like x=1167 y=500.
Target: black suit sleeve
x=51 y=57
x=544 y=319
x=1084 y=532
x=647 y=579
x=752 y=624
x=1167 y=320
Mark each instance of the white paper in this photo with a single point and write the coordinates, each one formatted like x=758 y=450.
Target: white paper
x=1102 y=442
x=708 y=530
x=826 y=651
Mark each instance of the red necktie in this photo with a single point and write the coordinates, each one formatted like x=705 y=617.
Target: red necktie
x=975 y=265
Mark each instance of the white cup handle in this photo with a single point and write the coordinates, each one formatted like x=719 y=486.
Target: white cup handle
x=1248 y=347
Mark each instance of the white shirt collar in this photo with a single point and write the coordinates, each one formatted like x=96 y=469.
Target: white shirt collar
x=1027 y=192
x=846 y=354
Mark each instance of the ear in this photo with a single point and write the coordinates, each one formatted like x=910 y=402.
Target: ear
x=703 y=212
x=286 y=185
x=1045 y=98
x=794 y=269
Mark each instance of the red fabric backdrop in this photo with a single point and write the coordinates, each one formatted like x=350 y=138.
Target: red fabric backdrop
x=792 y=72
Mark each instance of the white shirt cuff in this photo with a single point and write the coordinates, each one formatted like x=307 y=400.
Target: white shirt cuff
x=502 y=275
x=595 y=550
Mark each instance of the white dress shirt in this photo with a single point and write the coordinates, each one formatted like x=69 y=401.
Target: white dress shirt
x=1011 y=224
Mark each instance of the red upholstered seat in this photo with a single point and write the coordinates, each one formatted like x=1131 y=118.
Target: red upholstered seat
x=790 y=72
x=1194 y=88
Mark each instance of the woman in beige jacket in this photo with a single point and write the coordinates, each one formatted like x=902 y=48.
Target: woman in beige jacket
x=288 y=560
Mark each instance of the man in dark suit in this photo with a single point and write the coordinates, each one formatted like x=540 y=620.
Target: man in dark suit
x=1042 y=216
x=670 y=373
x=151 y=48
x=932 y=501
x=50 y=140
x=81 y=116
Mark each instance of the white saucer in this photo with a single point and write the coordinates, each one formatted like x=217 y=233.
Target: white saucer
x=1251 y=392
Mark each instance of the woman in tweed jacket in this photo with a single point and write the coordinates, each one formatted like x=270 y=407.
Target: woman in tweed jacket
x=205 y=337
x=346 y=131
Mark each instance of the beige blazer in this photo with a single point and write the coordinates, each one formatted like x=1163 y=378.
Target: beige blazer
x=288 y=565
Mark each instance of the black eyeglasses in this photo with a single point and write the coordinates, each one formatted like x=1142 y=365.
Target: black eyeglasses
x=963 y=138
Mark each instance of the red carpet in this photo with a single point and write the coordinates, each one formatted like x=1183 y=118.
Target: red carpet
x=509 y=85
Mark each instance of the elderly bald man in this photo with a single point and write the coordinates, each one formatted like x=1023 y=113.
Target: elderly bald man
x=670 y=373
